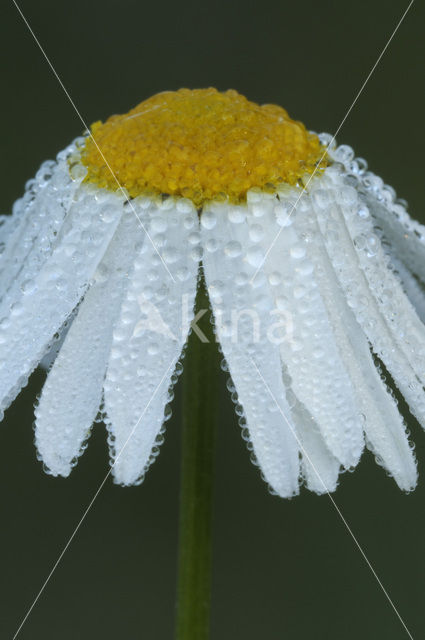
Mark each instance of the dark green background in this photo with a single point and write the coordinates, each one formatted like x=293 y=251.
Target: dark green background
x=282 y=569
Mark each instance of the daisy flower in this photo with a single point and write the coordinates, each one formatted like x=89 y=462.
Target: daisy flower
x=314 y=271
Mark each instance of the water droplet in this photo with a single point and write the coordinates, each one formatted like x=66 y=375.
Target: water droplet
x=108 y=214
x=153 y=348
x=211 y=245
x=77 y=171
x=305 y=268
x=236 y=215
x=28 y=286
x=275 y=278
x=254 y=256
x=208 y=219
x=16 y=308
x=233 y=249
x=170 y=255
x=216 y=289
x=297 y=252
x=363 y=211
x=194 y=238
x=256 y=232
x=184 y=205
x=196 y=253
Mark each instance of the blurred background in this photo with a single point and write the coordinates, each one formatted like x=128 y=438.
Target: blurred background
x=282 y=569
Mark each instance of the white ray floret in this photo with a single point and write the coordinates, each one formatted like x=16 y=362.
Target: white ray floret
x=149 y=336
x=36 y=220
x=319 y=468
x=413 y=288
x=244 y=324
x=72 y=393
x=405 y=326
x=29 y=320
x=383 y=425
x=361 y=297
x=405 y=237
x=319 y=377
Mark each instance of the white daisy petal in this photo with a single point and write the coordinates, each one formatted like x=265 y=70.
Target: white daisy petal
x=405 y=326
x=309 y=350
x=413 y=288
x=54 y=348
x=243 y=319
x=28 y=322
x=8 y=224
x=149 y=337
x=383 y=425
x=405 y=236
x=373 y=310
x=35 y=222
x=72 y=393
x=21 y=229
x=320 y=468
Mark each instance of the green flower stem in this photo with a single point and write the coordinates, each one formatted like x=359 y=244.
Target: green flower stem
x=199 y=419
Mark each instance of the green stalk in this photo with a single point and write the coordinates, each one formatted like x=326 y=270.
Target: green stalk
x=197 y=458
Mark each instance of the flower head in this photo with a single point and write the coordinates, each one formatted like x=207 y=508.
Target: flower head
x=201 y=145
x=314 y=270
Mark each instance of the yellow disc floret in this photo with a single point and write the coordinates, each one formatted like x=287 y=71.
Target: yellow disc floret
x=200 y=144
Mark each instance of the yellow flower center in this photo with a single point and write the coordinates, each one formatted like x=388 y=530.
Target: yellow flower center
x=200 y=144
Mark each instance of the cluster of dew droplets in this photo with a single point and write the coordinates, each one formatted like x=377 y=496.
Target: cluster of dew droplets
x=383 y=374
x=402 y=237
x=30 y=232
x=29 y=240
x=47 y=363
x=240 y=414
x=62 y=280
x=353 y=251
x=238 y=290
x=242 y=421
x=160 y=438
x=373 y=291
x=73 y=390
x=232 y=249
x=211 y=246
x=150 y=333
x=315 y=370
x=366 y=278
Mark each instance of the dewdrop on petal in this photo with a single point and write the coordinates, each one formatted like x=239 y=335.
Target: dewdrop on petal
x=311 y=252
